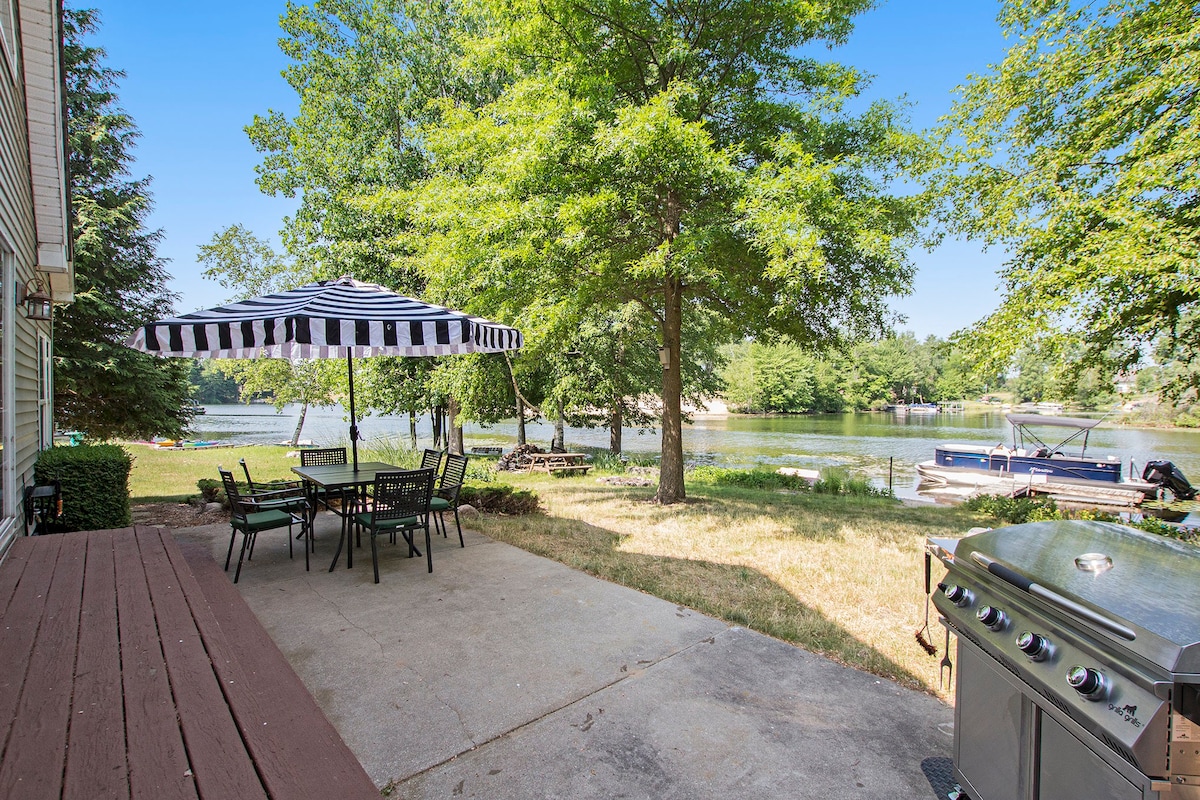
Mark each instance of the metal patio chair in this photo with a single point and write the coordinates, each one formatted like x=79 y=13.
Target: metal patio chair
x=253 y=514
x=446 y=495
x=266 y=486
x=326 y=457
x=294 y=502
x=401 y=505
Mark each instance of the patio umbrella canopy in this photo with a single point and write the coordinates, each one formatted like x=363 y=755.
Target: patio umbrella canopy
x=327 y=319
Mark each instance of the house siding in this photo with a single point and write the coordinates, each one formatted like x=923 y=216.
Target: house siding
x=34 y=227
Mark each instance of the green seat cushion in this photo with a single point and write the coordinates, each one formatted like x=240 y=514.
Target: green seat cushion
x=263 y=520
x=439 y=504
x=385 y=524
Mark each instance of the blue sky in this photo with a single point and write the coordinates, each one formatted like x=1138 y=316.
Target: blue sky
x=197 y=73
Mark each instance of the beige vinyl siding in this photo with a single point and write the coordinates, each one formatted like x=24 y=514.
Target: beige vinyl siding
x=19 y=228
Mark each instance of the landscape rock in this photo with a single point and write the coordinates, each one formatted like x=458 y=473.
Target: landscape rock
x=810 y=475
x=625 y=480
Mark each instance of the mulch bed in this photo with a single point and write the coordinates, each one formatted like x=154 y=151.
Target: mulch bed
x=177 y=515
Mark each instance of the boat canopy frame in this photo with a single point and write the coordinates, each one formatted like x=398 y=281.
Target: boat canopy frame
x=1081 y=426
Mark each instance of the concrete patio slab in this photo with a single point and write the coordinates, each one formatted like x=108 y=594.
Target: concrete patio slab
x=506 y=675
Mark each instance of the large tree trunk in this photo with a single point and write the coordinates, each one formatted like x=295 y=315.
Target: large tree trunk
x=412 y=428
x=559 y=442
x=615 y=423
x=455 y=437
x=670 y=473
x=300 y=423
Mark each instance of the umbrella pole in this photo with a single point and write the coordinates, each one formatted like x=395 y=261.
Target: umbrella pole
x=353 y=417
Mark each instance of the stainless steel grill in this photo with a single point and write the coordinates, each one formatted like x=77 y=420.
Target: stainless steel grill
x=1078 y=674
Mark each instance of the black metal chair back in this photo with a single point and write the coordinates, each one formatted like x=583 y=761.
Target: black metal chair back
x=402 y=494
x=329 y=456
x=253 y=486
x=233 y=494
x=401 y=505
x=452 y=476
x=246 y=470
x=431 y=459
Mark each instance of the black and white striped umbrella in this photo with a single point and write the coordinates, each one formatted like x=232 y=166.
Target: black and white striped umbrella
x=327 y=319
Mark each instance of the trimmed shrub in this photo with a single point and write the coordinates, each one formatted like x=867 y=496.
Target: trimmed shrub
x=95 y=484
x=499 y=498
x=211 y=490
x=1013 y=510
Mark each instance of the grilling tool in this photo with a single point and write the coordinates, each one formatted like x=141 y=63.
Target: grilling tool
x=946 y=668
x=923 y=633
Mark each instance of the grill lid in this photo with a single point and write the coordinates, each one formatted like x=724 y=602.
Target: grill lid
x=1152 y=584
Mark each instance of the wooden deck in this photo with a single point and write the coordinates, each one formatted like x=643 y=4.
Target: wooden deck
x=132 y=668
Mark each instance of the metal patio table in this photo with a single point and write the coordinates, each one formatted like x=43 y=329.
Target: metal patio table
x=352 y=482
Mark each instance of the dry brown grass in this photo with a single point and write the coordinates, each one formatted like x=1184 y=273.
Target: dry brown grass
x=840 y=576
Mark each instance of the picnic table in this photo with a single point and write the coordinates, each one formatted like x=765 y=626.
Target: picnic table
x=558 y=462
x=131 y=667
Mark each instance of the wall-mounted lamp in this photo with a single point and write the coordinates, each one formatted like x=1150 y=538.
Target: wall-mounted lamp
x=38 y=302
x=664 y=357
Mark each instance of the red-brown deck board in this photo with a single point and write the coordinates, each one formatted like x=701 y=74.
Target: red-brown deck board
x=96 y=764
x=130 y=671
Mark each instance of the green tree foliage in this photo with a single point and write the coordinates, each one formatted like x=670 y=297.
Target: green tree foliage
x=958 y=378
x=210 y=385
x=1078 y=153
x=249 y=266
x=674 y=156
x=365 y=72
x=101 y=386
x=782 y=378
x=776 y=378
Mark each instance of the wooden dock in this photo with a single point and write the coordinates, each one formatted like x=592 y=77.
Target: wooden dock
x=132 y=668
x=1068 y=492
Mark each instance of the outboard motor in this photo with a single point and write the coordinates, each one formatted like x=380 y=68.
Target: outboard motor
x=1166 y=474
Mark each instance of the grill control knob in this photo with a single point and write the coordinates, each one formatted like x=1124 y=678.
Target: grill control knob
x=956 y=594
x=992 y=617
x=1033 y=645
x=1088 y=682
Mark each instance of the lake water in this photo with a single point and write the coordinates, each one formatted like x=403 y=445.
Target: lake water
x=864 y=443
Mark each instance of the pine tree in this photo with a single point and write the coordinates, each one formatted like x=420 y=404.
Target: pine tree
x=102 y=387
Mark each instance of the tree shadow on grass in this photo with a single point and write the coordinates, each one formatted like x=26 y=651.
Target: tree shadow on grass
x=808 y=516
x=737 y=594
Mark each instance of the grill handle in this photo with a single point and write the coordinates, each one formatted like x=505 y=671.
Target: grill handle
x=1011 y=576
